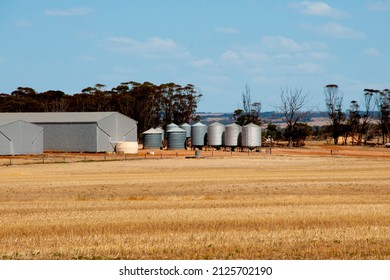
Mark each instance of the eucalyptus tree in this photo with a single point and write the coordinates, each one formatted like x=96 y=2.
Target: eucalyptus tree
x=335 y=115
x=292 y=106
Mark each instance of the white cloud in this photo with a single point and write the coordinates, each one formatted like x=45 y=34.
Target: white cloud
x=227 y=30
x=203 y=62
x=335 y=30
x=88 y=58
x=152 y=48
x=254 y=56
x=310 y=68
x=372 y=52
x=287 y=44
x=381 y=6
x=231 y=56
x=273 y=42
x=79 y=11
x=318 y=9
x=23 y=24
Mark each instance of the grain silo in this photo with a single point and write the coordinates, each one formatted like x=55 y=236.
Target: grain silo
x=233 y=135
x=171 y=125
x=152 y=139
x=176 y=139
x=187 y=128
x=162 y=133
x=215 y=134
x=198 y=135
x=251 y=136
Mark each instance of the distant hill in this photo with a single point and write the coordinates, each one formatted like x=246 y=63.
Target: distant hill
x=313 y=119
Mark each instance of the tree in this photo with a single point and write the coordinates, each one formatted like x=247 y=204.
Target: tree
x=299 y=134
x=383 y=105
x=250 y=112
x=273 y=132
x=334 y=101
x=292 y=107
x=353 y=125
x=367 y=116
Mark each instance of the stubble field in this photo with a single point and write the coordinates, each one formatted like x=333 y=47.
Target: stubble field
x=240 y=207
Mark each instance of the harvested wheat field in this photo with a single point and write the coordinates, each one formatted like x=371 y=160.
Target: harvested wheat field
x=235 y=207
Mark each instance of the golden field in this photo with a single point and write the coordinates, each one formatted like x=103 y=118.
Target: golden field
x=261 y=206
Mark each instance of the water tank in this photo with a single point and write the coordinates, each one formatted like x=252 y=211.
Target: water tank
x=176 y=139
x=198 y=134
x=152 y=139
x=215 y=134
x=127 y=147
x=233 y=135
x=251 y=135
x=187 y=128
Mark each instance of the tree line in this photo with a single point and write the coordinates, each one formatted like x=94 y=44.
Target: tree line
x=149 y=104
x=359 y=122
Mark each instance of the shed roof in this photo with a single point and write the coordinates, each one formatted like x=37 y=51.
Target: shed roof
x=55 y=117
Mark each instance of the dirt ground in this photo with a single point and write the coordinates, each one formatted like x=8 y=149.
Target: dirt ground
x=316 y=202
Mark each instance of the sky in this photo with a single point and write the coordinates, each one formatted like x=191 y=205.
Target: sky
x=218 y=46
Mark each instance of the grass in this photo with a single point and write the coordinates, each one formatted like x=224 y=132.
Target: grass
x=263 y=207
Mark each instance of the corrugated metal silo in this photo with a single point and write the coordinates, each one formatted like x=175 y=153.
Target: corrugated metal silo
x=251 y=136
x=215 y=134
x=152 y=139
x=162 y=132
x=187 y=128
x=233 y=135
x=198 y=134
x=176 y=139
x=171 y=125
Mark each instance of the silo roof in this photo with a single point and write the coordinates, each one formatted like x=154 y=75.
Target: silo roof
x=152 y=131
x=251 y=125
x=176 y=129
x=198 y=124
x=216 y=124
x=233 y=124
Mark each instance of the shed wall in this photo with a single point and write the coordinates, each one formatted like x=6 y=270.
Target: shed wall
x=70 y=137
x=19 y=137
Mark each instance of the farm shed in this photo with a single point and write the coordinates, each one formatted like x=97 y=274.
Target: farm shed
x=80 y=131
x=20 y=137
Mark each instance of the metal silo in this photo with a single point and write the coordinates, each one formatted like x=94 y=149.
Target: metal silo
x=215 y=133
x=152 y=139
x=171 y=125
x=162 y=132
x=187 y=128
x=176 y=139
x=233 y=135
x=251 y=136
x=198 y=134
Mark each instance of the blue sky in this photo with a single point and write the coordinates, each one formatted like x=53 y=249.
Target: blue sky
x=219 y=46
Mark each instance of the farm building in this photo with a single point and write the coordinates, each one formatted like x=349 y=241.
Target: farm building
x=20 y=137
x=80 y=131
